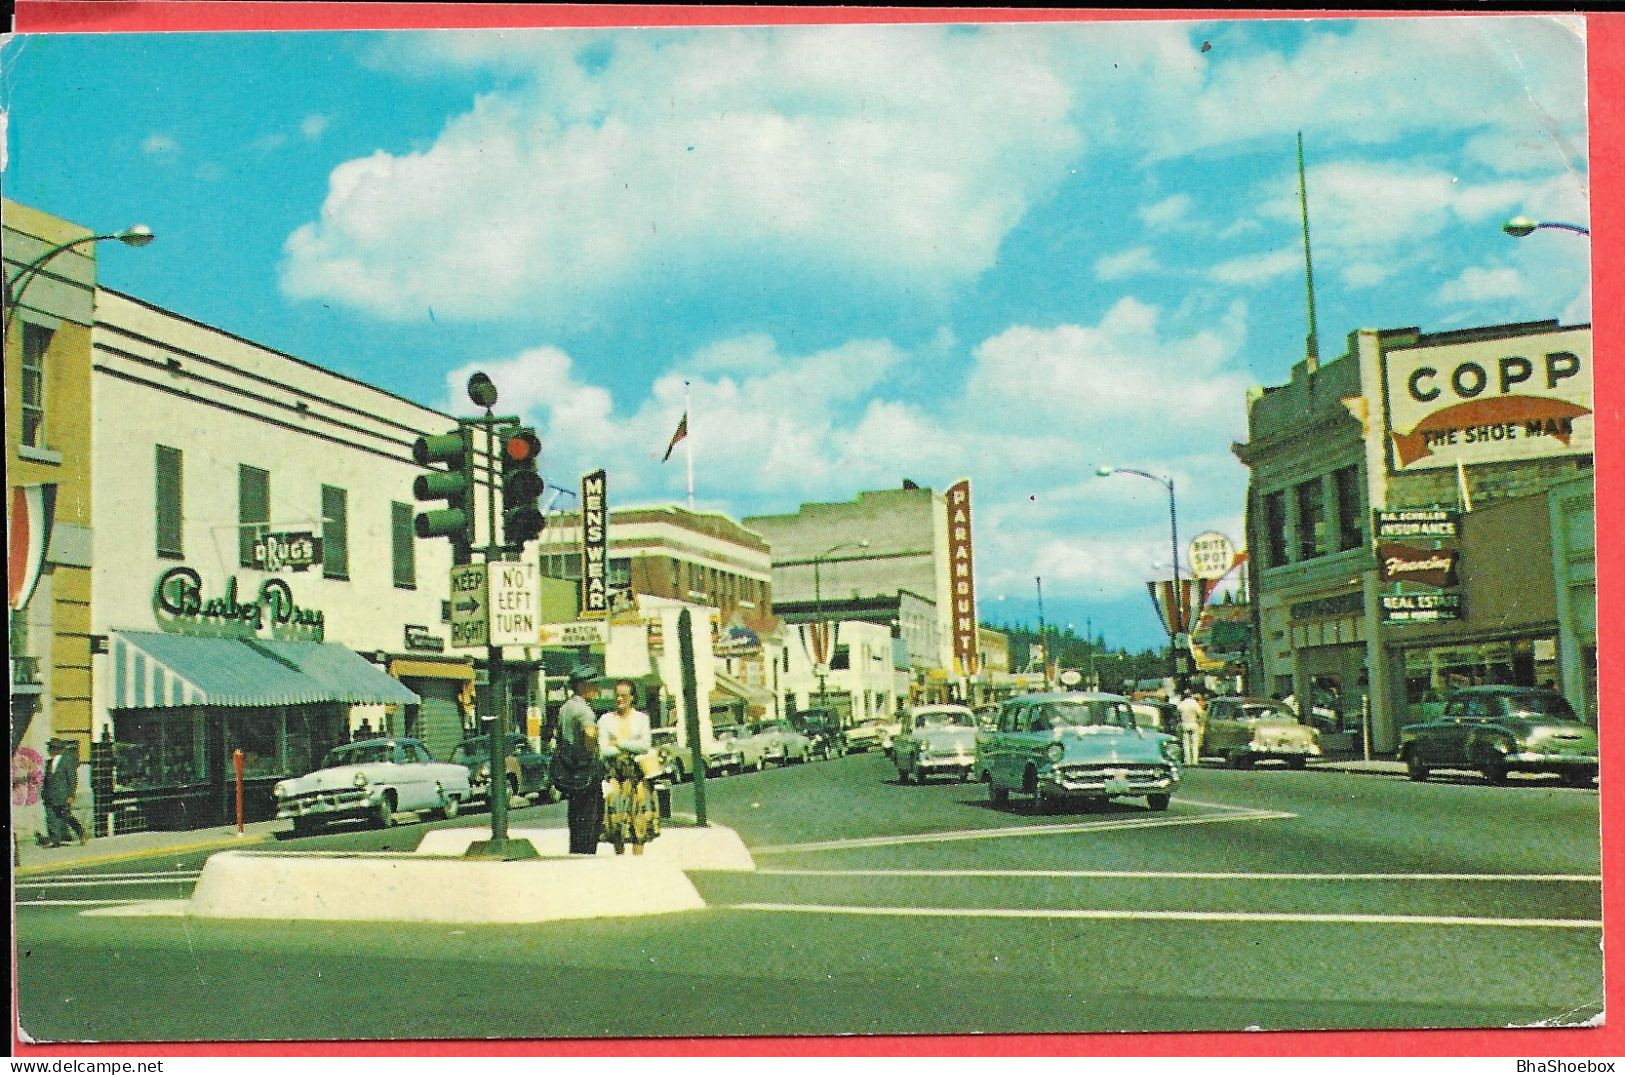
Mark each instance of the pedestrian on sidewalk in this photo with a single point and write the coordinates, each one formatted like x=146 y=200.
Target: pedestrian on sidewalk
x=576 y=770
x=57 y=791
x=1191 y=712
x=631 y=815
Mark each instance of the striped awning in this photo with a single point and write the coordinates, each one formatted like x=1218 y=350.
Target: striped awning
x=152 y=670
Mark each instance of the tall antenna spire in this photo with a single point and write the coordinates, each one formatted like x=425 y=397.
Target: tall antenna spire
x=1311 y=352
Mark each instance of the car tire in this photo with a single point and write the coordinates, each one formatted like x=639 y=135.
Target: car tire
x=1297 y=762
x=964 y=776
x=998 y=795
x=1414 y=768
x=1038 y=805
x=306 y=826
x=384 y=815
x=904 y=776
x=1579 y=778
x=1159 y=801
x=920 y=775
x=449 y=806
x=1495 y=771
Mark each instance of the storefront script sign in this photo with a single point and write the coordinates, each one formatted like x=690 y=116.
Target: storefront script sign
x=179 y=596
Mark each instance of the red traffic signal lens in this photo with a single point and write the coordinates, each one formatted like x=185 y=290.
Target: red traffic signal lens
x=523 y=446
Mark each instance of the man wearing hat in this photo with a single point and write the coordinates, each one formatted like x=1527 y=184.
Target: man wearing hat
x=60 y=784
x=577 y=772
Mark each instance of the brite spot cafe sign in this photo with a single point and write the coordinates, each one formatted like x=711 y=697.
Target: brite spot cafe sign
x=1490 y=401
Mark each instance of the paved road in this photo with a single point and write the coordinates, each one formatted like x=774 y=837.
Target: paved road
x=1261 y=898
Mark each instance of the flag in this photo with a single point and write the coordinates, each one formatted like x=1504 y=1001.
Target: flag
x=682 y=431
x=33 y=510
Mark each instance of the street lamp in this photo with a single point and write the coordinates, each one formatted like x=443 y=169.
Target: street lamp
x=1173 y=529
x=818 y=601
x=137 y=235
x=1519 y=226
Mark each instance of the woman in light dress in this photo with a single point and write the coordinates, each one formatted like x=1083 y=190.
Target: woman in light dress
x=631 y=813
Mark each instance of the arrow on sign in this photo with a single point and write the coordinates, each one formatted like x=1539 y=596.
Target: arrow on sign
x=468 y=607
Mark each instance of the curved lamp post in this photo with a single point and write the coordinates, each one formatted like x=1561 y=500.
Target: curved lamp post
x=818 y=600
x=1519 y=226
x=137 y=235
x=1173 y=529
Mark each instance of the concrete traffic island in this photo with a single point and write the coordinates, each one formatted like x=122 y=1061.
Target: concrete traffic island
x=436 y=884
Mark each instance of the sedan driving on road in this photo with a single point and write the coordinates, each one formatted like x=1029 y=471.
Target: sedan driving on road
x=1500 y=730
x=778 y=742
x=1247 y=730
x=1075 y=745
x=936 y=739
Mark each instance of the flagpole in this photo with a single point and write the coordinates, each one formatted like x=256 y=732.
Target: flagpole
x=688 y=448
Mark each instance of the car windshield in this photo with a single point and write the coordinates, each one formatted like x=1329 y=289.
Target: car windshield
x=364 y=754
x=1083 y=713
x=1252 y=711
x=948 y=719
x=1545 y=704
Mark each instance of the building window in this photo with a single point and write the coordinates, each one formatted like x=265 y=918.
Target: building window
x=1350 y=515
x=1311 y=498
x=168 y=502
x=562 y=565
x=620 y=572
x=1275 y=528
x=335 y=533
x=36 y=341
x=253 y=510
x=403 y=551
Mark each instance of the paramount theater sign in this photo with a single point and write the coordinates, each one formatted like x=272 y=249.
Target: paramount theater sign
x=962 y=576
x=1488 y=401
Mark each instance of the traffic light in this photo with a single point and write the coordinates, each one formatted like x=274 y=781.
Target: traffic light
x=522 y=519
x=454 y=485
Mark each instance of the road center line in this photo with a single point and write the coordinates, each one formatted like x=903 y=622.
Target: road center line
x=102 y=882
x=1188 y=916
x=1183 y=875
x=1151 y=822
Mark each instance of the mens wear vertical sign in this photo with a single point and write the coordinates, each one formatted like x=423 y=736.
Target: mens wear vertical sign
x=594 y=544
x=962 y=576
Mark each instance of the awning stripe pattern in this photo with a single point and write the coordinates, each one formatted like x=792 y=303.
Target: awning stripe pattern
x=156 y=670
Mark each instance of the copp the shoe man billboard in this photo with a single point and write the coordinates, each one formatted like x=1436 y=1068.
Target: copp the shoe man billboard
x=1490 y=400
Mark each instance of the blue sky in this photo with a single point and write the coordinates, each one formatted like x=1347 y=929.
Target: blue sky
x=1004 y=252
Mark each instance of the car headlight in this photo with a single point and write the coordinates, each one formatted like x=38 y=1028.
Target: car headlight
x=485 y=772
x=1170 y=750
x=1055 y=751
x=360 y=780
x=280 y=790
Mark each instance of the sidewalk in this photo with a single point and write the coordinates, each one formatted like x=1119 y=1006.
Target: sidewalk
x=30 y=858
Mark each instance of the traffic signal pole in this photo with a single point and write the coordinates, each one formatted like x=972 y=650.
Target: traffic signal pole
x=500 y=846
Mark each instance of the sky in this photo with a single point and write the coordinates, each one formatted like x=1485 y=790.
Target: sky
x=1012 y=253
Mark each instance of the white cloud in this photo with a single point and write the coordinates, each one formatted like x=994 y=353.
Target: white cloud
x=1170 y=210
x=1134 y=262
x=158 y=144
x=868 y=148
x=1477 y=284
x=314 y=126
x=1257 y=268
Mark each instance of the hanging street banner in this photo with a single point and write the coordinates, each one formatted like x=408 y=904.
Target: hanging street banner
x=33 y=512
x=594 y=545
x=1489 y=400
x=516 y=603
x=469 y=628
x=962 y=576
x=1178 y=620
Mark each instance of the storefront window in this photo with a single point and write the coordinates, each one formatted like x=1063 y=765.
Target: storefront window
x=1431 y=673
x=157 y=748
x=256 y=733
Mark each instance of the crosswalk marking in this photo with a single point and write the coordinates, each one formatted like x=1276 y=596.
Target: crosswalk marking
x=1187 y=916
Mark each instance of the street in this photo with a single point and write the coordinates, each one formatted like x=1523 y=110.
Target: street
x=1263 y=898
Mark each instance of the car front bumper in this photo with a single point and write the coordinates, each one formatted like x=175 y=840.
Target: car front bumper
x=337 y=803
x=1107 y=780
x=1540 y=761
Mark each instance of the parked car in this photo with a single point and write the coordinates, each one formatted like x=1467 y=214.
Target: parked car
x=936 y=739
x=861 y=736
x=372 y=779
x=890 y=729
x=675 y=757
x=740 y=738
x=779 y=742
x=527 y=767
x=1245 y=730
x=1499 y=730
x=722 y=752
x=1073 y=745
x=1157 y=715
x=821 y=726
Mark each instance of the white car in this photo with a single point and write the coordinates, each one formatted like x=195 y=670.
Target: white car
x=374 y=779
x=735 y=749
x=779 y=742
